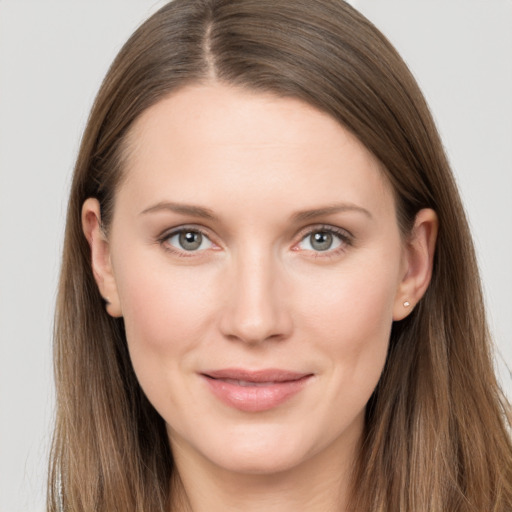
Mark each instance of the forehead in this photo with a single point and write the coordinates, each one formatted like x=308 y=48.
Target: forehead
x=241 y=143
x=217 y=114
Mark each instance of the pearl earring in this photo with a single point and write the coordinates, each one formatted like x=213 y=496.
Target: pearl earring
x=407 y=304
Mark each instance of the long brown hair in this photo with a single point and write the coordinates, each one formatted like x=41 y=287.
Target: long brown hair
x=436 y=435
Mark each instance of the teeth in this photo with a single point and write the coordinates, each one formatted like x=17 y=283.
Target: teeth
x=246 y=383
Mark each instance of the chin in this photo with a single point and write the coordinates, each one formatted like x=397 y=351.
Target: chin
x=263 y=449
x=262 y=462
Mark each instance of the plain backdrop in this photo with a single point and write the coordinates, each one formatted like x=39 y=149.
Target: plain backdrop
x=53 y=55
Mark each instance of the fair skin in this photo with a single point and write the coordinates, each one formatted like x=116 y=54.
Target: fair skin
x=254 y=233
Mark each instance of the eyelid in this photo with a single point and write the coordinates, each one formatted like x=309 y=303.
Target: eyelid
x=312 y=228
x=168 y=233
x=346 y=237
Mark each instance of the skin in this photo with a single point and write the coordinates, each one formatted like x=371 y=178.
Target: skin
x=257 y=294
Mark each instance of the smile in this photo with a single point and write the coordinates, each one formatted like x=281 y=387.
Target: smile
x=255 y=391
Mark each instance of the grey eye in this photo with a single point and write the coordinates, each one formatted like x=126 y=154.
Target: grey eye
x=189 y=240
x=320 y=241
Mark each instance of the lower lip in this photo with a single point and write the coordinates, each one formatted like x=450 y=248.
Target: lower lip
x=255 y=398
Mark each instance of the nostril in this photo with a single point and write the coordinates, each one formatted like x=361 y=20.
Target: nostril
x=253 y=330
x=254 y=309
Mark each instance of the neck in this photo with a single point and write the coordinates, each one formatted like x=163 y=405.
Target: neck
x=319 y=484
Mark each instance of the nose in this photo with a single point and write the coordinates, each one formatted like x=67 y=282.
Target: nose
x=256 y=306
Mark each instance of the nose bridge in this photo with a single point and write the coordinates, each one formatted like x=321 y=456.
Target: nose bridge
x=256 y=309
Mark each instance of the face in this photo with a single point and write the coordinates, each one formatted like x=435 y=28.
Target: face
x=255 y=257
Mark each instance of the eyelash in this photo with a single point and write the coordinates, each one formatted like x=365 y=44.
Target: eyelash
x=182 y=229
x=345 y=238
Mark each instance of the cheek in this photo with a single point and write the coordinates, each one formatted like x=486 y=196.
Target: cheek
x=164 y=309
x=350 y=303
x=165 y=315
x=351 y=324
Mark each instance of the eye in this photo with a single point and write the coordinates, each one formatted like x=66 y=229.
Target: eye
x=322 y=240
x=189 y=240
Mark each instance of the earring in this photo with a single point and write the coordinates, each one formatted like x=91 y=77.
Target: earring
x=407 y=304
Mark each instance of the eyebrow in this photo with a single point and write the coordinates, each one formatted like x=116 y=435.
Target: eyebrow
x=206 y=213
x=184 y=209
x=329 y=210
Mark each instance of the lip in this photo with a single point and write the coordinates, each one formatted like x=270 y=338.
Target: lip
x=255 y=391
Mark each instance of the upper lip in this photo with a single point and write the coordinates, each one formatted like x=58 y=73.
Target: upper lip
x=266 y=375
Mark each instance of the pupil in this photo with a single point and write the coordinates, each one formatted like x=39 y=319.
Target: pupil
x=321 y=241
x=190 y=240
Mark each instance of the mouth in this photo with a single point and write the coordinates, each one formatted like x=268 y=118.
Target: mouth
x=255 y=391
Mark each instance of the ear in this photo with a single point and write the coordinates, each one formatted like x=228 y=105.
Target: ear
x=100 y=256
x=418 y=258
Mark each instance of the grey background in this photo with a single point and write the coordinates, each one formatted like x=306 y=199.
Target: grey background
x=53 y=55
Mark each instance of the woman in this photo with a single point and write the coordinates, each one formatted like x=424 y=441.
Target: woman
x=269 y=296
